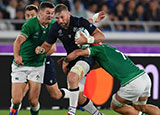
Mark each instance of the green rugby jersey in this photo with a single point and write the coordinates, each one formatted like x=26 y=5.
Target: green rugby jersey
x=116 y=63
x=36 y=35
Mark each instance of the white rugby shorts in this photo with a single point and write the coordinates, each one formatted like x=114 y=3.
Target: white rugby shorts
x=21 y=74
x=139 y=87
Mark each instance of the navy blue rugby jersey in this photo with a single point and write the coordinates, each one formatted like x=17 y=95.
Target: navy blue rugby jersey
x=67 y=36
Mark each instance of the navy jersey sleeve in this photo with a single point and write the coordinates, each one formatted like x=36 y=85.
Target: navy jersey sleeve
x=52 y=35
x=87 y=25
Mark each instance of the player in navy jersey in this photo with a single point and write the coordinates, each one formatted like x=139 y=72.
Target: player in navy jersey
x=65 y=29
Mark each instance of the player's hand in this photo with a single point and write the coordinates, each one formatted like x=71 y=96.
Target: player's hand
x=100 y=16
x=81 y=40
x=63 y=64
x=64 y=67
x=18 y=60
x=39 y=50
x=60 y=61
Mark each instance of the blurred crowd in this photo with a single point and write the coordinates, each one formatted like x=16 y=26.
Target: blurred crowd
x=115 y=10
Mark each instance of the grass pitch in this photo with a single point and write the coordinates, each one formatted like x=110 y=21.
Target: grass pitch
x=57 y=112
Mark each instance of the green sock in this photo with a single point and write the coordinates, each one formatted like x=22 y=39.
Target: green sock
x=15 y=106
x=34 y=112
x=144 y=114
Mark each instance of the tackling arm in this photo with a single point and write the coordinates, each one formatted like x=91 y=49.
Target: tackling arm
x=97 y=17
x=76 y=53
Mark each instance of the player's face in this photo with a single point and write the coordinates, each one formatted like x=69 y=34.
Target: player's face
x=63 y=18
x=30 y=14
x=47 y=15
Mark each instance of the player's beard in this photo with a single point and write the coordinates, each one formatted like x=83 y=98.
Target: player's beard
x=64 y=24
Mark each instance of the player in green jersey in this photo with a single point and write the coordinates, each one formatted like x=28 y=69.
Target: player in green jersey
x=28 y=66
x=135 y=83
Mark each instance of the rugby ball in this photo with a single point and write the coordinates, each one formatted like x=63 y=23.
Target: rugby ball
x=77 y=35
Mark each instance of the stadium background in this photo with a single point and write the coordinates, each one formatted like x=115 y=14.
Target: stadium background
x=132 y=26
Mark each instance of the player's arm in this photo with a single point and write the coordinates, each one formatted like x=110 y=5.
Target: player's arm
x=96 y=37
x=51 y=50
x=43 y=49
x=17 y=44
x=97 y=17
x=76 y=53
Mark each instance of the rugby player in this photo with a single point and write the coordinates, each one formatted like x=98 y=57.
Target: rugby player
x=65 y=29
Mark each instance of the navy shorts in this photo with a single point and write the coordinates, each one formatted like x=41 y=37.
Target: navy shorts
x=50 y=72
x=89 y=60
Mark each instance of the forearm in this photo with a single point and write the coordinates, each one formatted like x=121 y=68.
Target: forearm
x=17 y=44
x=46 y=47
x=51 y=50
x=98 y=36
x=76 y=53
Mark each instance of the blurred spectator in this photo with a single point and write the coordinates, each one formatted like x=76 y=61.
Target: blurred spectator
x=130 y=14
x=103 y=25
x=78 y=10
x=140 y=13
x=154 y=14
x=21 y=3
x=4 y=25
x=93 y=7
x=119 y=16
x=140 y=16
x=11 y=8
x=19 y=16
x=36 y=2
x=66 y=2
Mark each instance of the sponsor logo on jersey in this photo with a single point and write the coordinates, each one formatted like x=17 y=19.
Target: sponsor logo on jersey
x=60 y=32
x=36 y=35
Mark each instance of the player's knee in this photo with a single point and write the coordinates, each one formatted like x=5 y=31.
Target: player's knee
x=115 y=103
x=33 y=102
x=16 y=101
x=80 y=68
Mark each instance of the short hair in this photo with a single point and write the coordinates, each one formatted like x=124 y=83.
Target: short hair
x=60 y=7
x=46 y=4
x=31 y=7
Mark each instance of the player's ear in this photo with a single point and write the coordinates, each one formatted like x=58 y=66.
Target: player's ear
x=69 y=13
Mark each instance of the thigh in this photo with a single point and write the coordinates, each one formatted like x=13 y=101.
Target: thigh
x=90 y=61
x=50 y=72
x=34 y=89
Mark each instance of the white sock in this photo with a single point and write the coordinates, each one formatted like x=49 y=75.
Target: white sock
x=73 y=101
x=140 y=113
x=91 y=108
x=36 y=108
x=66 y=93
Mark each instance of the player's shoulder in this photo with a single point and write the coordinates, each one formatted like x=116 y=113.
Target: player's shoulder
x=55 y=26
